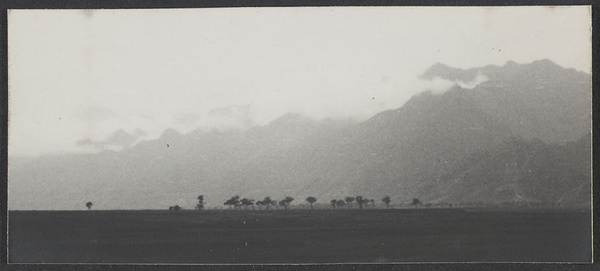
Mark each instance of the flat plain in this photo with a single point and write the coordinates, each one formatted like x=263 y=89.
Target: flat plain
x=300 y=236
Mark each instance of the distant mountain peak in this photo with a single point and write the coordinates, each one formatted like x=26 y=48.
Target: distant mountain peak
x=540 y=69
x=170 y=133
x=139 y=132
x=120 y=134
x=546 y=65
x=511 y=63
x=291 y=118
x=439 y=66
x=536 y=64
x=544 y=61
x=444 y=71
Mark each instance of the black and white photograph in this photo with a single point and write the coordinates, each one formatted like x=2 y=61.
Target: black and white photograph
x=300 y=135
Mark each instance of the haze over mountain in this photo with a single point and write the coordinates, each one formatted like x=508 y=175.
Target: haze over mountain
x=117 y=141
x=521 y=134
x=519 y=171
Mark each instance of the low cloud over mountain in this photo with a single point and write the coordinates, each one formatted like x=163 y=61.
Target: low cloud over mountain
x=521 y=135
x=117 y=141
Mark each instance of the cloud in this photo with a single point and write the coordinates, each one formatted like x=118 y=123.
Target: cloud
x=480 y=78
x=117 y=141
x=95 y=114
x=159 y=69
x=438 y=85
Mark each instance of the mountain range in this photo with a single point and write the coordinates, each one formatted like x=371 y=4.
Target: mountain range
x=521 y=136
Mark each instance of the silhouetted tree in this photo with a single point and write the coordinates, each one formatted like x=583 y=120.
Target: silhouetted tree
x=416 y=202
x=267 y=201
x=372 y=203
x=89 y=205
x=285 y=203
x=349 y=201
x=340 y=203
x=360 y=201
x=366 y=202
x=200 y=204
x=288 y=200
x=259 y=204
x=387 y=201
x=175 y=208
x=333 y=203
x=311 y=200
x=246 y=202
x=233 y=201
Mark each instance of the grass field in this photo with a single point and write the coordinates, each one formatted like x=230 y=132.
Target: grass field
x=299 y=236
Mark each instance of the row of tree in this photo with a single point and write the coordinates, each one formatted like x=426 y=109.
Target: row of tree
x=267 y=202
x=236 y=202
x=360 y=200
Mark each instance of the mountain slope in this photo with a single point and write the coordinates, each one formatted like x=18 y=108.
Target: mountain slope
x=447 y=146
x=395 y=151
x=537 y=100
x=519 y=171
x=398 y=151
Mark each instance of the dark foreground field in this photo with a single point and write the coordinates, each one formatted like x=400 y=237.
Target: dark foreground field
x=299 y=236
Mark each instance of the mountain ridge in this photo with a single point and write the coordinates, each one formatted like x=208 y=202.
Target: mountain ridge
x=412 y=151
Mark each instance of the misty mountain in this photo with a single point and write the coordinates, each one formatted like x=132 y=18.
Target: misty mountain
x=537 y=100
x=401 y=150
x=519 y=171
x=516 y=137
x=117 y=141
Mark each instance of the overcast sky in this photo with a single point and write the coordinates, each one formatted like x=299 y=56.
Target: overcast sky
x=77 y=74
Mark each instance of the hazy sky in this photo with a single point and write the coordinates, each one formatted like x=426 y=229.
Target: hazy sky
x=76 y=74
